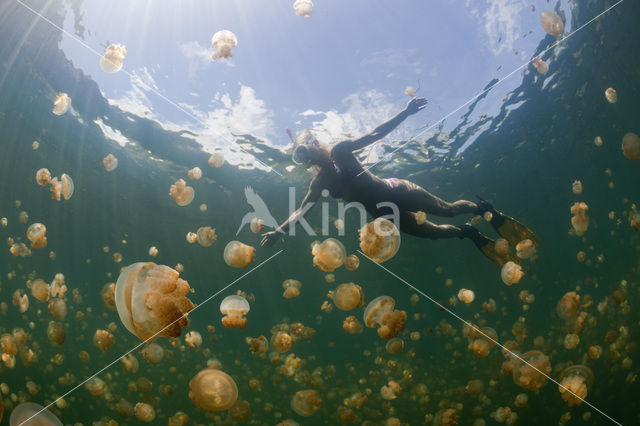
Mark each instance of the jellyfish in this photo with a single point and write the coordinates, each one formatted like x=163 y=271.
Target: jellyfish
x=151 y=300
x=575 y=382
x=328 y=255
x=352 y=262
x=580 y=220
x=203 y=207
x=474 y=387
x=111 y=61
x=182 y=193
x=446 y=417
x=531 y=370
x=380 y=239
x=631 y=146
x=502 y=246
x=153 y=251
x=61 y=104
x=240 y=411
x=195 y=173
x=394 y=346
x=348 y=296
x=144 y=412
x=525 y=249
x=4 y=222
x=23 y=413
x=238 y=255
x=256 y=225
x=411 y=92
x=568 y=305
x=258 y=345
x=634 y=220
x=351 y=325
x=306 y=402
x=36 y=233
x=390 y=391
x=193 y=339
x=466 y=296
x=58 y=308
x=62 y=188
x=192 y=237
x=291 y=288
x=303 y=8
x=380 y=314
x=153 y=353
x=40 y=290
x=551 y=23
x=213 y=390
x=540 y=65
x=576 y=187
x=43 y=177
x=281 y=342
x=216 y=160
x=103 y=339
x=223 y=41
x=234 y=308
x=511 y=273
x=110 y=162
x=611 y=95
x=571 y=340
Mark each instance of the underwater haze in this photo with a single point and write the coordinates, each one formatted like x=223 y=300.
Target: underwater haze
x=162 y=126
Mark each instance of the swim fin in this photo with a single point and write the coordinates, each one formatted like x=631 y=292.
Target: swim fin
x=486 y=245
x=508 y=228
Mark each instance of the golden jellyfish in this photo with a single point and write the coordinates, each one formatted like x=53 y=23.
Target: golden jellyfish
x=43 y=177
x=58 y=287
x=594 y=352
x=223 y=41
x=390 y=391
x=634 y=221
x=4 y=222
x=303 y=8
x=153 y=353
x=195 y=173
x=394 y=346
x=466 y=296
x=380 y=239
x=531 y=370
x=348 y=296
x=575 y=382
x=234 y=308
x=193 y=339
x=576 y=187
x=611 y=95
x=306 y=402
x=30 y=413
x=551 y=23
x=240 y=411
x=206 y=236
x=511 y=273
x=62 y=188
x=631 y=146
x=502 y=246
x=580 y=220
x=153 y=251
x=446 y=417
x=291 y=288
x=103 y=339
x=380 y=314
x=411 y=92
x=352 y=262
x=474 y=387
x=213 y=390
x=61 y=104
x=144 y=412
x=571 y=340
x=281 y=342
x=540 y=65
x=203 y=207
x=151 y=300
x=329 y=278
x=21 y=301
x=35 y=145
x=58 y=308
x=328 y=255
x=36 y=233
x=182 y=193
x=525 y=249
x=56 y=333
x=110 y=162
x=238 y=255
x=40 y=290
x=256 y=225
x=568 y=305
x=258 y=345
x=111 y=61
x=216 y=160
x=351 y=325
x=191 y=237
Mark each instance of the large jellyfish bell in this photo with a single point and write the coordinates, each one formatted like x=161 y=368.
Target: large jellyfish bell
x=575 y=382
x=151 y=300
x=234 y=308
x=551 y=23
x=328 y=255
x=238 y=255
x=380 y=239
x=213 y=390
x=41 y=417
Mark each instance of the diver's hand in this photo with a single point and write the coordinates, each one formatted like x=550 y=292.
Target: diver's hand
x=415 y=105
x=270 y=238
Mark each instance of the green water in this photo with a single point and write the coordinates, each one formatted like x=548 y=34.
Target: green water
x=524 y=162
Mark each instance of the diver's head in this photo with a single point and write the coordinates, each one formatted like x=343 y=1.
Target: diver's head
x=307 y=149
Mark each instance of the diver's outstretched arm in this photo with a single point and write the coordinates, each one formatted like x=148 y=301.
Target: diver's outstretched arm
x=414 y=105
x=313 y=194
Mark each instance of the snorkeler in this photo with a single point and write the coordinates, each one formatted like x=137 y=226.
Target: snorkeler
x=344 y=177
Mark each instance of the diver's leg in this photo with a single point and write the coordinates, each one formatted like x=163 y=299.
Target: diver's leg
x=412 y=197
